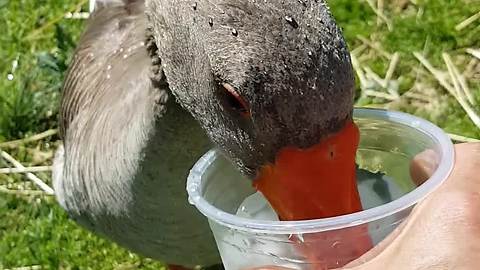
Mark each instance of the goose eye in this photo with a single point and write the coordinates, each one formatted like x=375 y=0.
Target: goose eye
x=235 y=101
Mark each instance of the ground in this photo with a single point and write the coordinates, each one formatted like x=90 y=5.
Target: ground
x=393 y=45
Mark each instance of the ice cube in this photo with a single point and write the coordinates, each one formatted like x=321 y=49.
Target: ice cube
x=257 y=207
x=242 y=250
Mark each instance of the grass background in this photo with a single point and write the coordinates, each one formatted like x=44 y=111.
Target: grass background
x=38 y=42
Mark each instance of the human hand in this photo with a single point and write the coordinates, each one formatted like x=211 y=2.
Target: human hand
x=443 y=231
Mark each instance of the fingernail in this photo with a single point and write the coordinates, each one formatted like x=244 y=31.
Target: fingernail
x=423 y=166
x=429 y=160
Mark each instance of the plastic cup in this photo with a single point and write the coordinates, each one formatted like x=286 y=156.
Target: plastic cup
x=388 y=142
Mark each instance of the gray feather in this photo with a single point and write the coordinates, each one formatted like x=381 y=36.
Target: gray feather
x=127 y=148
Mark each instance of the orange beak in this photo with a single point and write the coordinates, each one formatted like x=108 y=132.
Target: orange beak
x=317 y=182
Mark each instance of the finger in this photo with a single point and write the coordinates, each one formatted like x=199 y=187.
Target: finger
x=423 y=166
x=465 y=174
x=435 y=223
x=447 y=216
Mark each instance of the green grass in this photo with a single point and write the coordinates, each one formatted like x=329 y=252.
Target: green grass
x=35 y=231
x=28 y=102
x=428 y=28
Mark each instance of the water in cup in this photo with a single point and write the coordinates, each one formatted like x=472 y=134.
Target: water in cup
x=375 y=188
x=245 y=227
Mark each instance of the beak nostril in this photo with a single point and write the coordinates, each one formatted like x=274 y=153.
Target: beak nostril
x=331 y=152
x=235 y=101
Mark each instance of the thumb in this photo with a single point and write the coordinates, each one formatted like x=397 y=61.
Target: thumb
x=444 y=227
x=423 y=166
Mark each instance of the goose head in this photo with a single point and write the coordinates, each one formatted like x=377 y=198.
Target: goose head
x=269 y=81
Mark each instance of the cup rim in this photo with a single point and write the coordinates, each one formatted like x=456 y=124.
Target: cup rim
x=444 y=169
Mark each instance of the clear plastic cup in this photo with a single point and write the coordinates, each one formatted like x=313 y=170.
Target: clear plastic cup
x=388 y=142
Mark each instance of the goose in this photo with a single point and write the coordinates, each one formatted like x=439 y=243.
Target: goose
x=154 y=84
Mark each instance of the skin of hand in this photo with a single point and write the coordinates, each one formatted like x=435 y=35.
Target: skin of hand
x=443 y=231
